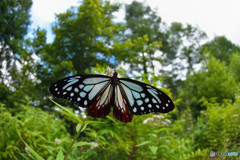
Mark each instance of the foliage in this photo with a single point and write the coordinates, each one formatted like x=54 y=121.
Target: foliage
x=235 y=66
x=184 y=42
x=14 y=20
x=218 y=126
x=146 y=30
x=43 y=132
x=214 y=81
x=221 y=48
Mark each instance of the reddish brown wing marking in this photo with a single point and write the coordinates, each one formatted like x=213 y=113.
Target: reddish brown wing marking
x=121 y=111
x=101 y=105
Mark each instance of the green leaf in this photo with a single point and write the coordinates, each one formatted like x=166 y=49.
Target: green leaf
x=78 y=126
x=153 y=149
x=84 y=144
x=60 y=155
x=85 y=125
x=143 y=143
x=161 y=129
x=24 y=156
x=69 y=113
x=35 y=154
x=89 y=122
x=111 y=119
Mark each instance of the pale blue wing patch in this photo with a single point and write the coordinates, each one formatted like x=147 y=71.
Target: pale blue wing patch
x=129 y=95
x=132 y=86
x=96 y=88
x=72 y=81
x=94 y=80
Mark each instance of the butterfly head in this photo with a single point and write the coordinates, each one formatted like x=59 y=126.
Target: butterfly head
x=115 y=74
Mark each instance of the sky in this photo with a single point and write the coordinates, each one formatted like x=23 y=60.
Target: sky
x=215 y=17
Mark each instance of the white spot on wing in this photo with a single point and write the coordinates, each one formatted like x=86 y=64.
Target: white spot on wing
x=134 y=109
x=149 y=105
x=82 y=94
x=78 y=99
x=146 y=100
x=136 y=94
x=139 y=102
x=85 y=102
x=69 y=88
x=143 y=95
x=72 y=94
x=142 y=108
x=76 y=89
x=154 y=101
x=81 y=86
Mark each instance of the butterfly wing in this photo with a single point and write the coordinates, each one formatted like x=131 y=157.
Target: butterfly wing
x=101 y=104
x=143 y=98
x=82 y=90
x=121 y=110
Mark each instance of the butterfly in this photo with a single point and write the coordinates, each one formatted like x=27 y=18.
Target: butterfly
x=98 y=93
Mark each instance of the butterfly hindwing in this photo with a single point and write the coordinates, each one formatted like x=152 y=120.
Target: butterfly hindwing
x=143 y=98
x=121 y=110
x=80 y=89
x=100 y=107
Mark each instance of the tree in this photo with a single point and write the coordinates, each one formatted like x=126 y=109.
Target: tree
x=14 y=21
x=213 y=81
x=185 y=41
x=143 y=22
x=84 y=37
x=221 y=48
x=235 y=66
x=16 y=61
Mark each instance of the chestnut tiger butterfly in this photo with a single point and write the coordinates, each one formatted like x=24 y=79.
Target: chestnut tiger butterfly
x=98 y=93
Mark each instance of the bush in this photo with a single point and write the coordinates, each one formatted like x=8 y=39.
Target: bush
x=218 y=127
x=43 y=132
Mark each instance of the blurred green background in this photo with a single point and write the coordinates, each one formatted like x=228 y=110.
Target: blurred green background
x=202 y=77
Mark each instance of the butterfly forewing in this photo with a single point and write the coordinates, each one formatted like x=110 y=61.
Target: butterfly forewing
x=143 y=98
x=80 y=89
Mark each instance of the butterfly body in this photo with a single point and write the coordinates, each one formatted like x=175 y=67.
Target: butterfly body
x=98 y=93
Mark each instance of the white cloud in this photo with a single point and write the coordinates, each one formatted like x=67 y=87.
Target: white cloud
x=43 y=11
x=215 y=17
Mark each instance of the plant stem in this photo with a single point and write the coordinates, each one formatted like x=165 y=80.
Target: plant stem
x=75 y=138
